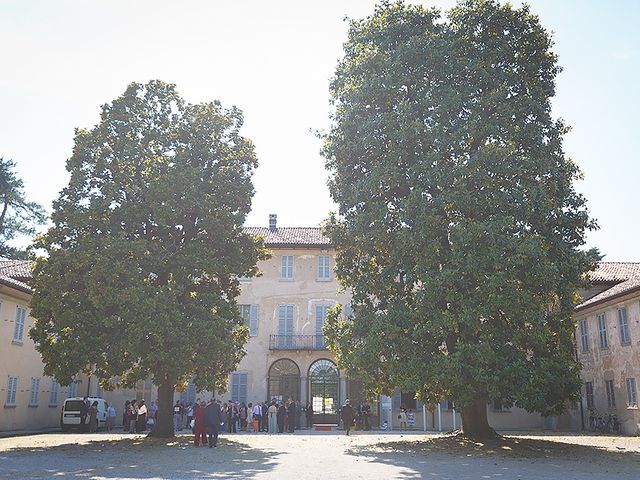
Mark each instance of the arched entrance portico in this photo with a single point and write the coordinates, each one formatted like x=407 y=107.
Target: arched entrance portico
x=284 y=380
x=324 y=391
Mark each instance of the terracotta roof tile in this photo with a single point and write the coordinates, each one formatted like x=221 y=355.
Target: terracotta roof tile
x=10 y=282
x=17 y=269
x=618 y=290
x=614 y=272
x=291 y=236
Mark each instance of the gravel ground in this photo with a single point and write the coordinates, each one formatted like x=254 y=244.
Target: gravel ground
x=327 y=455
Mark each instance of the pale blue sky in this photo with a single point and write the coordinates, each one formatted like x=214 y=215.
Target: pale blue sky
x=61 y=60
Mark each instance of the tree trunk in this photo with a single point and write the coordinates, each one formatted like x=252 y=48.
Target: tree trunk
x=164 y=421
x=474 y=422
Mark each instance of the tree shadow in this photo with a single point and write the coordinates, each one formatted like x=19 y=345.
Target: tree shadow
x=138 y=458
x=453 y=456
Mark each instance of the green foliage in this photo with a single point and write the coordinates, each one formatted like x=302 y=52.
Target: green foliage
x=17 y=215
x=139 y=273
x=459 y=226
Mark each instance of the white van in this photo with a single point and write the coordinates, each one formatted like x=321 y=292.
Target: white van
x=70 y=415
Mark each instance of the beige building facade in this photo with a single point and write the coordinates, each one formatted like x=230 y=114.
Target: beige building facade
x=608 y=345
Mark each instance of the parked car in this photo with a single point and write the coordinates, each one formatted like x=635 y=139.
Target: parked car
x=70 y=415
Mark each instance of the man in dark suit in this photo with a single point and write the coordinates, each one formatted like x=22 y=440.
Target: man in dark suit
x=347 y=414
x=291 y=413
x=212 y=420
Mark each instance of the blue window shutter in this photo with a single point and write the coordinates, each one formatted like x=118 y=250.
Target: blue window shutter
x=253 y=321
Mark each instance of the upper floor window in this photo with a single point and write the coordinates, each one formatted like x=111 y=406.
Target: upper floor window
x=324 y=267
x=18 y=331
x=286 y=267
x=71 y=389
x=625 y=339
x=249 y=313
x=584 y=335
x=602 y=331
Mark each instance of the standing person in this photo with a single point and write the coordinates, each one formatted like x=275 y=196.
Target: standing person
x=111 y=417
x=366 y=413
x=282 y=412
x=212 y=418
x=347 y=415
x=309 y=414
x=126 y=412
x=84 y=411
x=133 y=418
x=153 y=411
x=199 y=427
x=141 y=424
x=250 y=417
x=403 y=418
x=242 y=416
x=291 y=414
x=257 y=417
x=265 y=416
x=229 y=415
x=189 y=416
x=177 y=416
x=93 y=417
x=273 y=417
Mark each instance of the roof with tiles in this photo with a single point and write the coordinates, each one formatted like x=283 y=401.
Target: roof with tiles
x=18 y=269
x=625 y=277
x=291 y=236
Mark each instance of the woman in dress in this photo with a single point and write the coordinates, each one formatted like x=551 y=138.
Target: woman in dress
x=93 y=417
x=273 y=417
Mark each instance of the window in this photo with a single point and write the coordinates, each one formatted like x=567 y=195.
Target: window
x=18 y=331
x=584 y=335
x=588 y=387
x=239 y=387
x=321 y=314
x=250 y=315
x=625 y=339
x=286 y=268
x=71 y=389
x=497 y=406
x=602 y=331
x=53 y=394
x=324 y=267
x=35 y=390
x=98 y=389
x=611 y=398
x=285 y=326
x=632 y=395
x=12 y=388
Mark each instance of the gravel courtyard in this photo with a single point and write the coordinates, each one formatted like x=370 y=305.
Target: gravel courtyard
x=320 y=455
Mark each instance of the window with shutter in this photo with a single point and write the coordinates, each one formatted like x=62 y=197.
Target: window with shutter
x=632 y=394
x=285 y=326
x=286 y=267
x=253 y=321
x=602 y=331
x=625 y=338
x=324 y=267
x=239 y=387
x=321 y=314
x=35 y=390
x=53 y=394
x=18 y=331
x=584 y=335
x=12 y=388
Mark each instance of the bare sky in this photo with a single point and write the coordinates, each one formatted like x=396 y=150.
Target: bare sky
x=61 y=60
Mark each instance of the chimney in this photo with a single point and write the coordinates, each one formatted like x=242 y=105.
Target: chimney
x=273 y=220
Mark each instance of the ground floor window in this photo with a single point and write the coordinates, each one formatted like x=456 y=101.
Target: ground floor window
x=324 y=385
x=284 y=380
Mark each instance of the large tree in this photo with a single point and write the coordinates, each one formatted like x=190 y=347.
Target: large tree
x=18 y=216
x=139 y=273
x=459 y=228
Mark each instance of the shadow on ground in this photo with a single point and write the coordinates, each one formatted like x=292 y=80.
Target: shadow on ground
x=138 y=458
x=453 y=456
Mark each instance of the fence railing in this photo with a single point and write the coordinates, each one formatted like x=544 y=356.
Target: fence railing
x=297 y=342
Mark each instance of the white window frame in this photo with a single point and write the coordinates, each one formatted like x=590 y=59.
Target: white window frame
x=623 y=322
x=18 y=331
x=611 y=395
x=238 y=381
x=632 y=393
x=53 y=393
x=584 y=335
x=323 y=273
x=12 y=390
x=35 y=392
x=286 y=267
x=602 y=330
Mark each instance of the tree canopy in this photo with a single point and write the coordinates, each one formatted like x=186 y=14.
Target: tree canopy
x=138 y=276
x=459 y=228
x=18 y=216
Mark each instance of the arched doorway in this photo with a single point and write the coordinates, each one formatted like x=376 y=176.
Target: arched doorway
x=324 y=388
x=284 y=380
